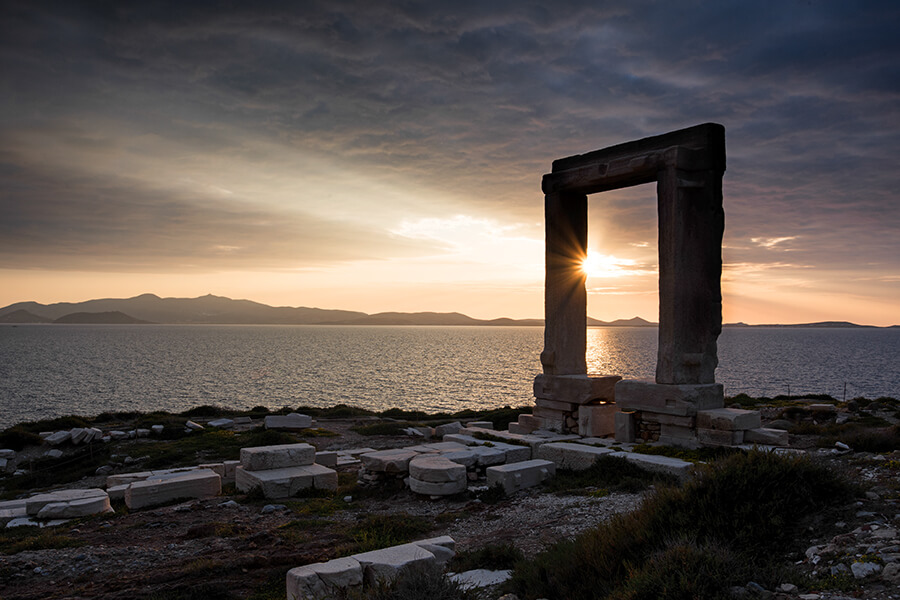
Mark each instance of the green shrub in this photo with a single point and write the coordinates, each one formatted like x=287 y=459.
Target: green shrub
x=21 y=539
x=384 y=428
x=16 y=438
x=753 y=504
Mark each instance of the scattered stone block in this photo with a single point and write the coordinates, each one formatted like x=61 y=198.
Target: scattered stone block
x=513 y=453
x=243 y=421
x=658 y=464
x=180 y=486
x=387 y=563
x=462 y=438
x=157 y=429
x=142 y=433
x=60 y=437
x=118 y=435
x=34 y=504
x=719 y=437
x=436 y=469
x=568 y=455
x=466 y=458
x=230 y=467
x=823 y=408
x=7 y=454
x=388 y=461
x=730 y=419
x=327 y=459
x=770 y=437
x=321 y=580
x=12 y=509
x=481 y=424
x=520 y=475
x=597 y=420
x=480 y=578
x=117 y=492
x=441 y=430
x=192 y=426
x=261 y=458
x=78 y=435
x=126 y=478
x=486 y=456
x=72 y=509
x=516 y=428
x=624 y=422
x=222 y=423
x=287 y=482
x=293 y=421
x=671 y=399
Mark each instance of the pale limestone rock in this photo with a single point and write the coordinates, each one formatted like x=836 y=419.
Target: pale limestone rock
x=286 y=482
x=176 y=486
x=485 y=456
x=462 y=438
x=142 y=433
x=625 y=426
x=55 y=439
x=730 y=419
x=289 y=421
x=719 y=437
x=388 y=461
x=222 y=423
x=230 y=466
x=441 y=430
x=764 y=435
x=262 y=458
x=34 y=504
x=520 y=475
x=7 y=453
x=327 y=459
x=243 y=421
x=126 y=478
x=193 y=425
x=117 y=492
x=12 y=509
x=75 y=508
x=157 y=429
x=481 y=424
x=436 y=469
x=466 y=458
x=659 y=464
x=78 y=435
x=513 y=452
x=568 y=455
x=479 y=578
x=443 y=488
x=319 y=580
x=118 y=435
x=387 y=563
x=575 y=389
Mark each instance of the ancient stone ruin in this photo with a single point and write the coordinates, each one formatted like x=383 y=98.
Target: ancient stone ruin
x=687 y=166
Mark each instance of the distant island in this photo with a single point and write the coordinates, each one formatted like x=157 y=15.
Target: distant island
x=218 y=310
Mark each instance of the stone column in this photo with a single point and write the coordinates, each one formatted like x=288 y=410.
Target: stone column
x=691 y=225
x=565 y=296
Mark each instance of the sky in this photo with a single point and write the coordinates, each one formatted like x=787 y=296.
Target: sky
x=387 y=156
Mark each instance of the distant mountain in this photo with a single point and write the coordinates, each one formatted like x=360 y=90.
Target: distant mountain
x=633 y=322
x=102 y=318
x=206 y=309
x=432 y=318
x=23 y=316
x=820 y=324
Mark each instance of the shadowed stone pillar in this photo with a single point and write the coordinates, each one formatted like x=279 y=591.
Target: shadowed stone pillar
x=565 y=296
x=691 y=224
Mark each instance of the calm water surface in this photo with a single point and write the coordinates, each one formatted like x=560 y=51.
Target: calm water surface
x=54 y=370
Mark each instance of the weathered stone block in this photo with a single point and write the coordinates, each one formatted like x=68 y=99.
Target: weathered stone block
x=663 y=419
x=486 y=456
x=528 y=423
x=222 y=423
x=126 y=478
x=624 y=422
x=769 y=437
x=35 y=504
x=327 y=459
x=291 y=421
x=729 y=419
x=719 y=437
x=466 y=457
x=387 y=563
x=73 y=509
x=520 y=475
x=576 y=389
x=513 y=452
x=481 y=424
x=230 y=466
x=321 y=580
x=679 y=400
x=57 y=438
x=441 y=430
x=286 y=482
x=568 y=455
x=658 y=464
x=261 y=458
x=597 y=420
x=516 y=428
x=436 y=469
x=677 y=432
x=441 y=488
x=193 y=484
x=680 y=442
x=388 y=461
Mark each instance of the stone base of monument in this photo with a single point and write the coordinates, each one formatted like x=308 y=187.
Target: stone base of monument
x=559 y=400
x=324 y=580
x=201 y=483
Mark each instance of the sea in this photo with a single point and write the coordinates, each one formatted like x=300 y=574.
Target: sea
x=54 y=370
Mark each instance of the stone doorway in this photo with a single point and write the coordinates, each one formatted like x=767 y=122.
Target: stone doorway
x=687 y=166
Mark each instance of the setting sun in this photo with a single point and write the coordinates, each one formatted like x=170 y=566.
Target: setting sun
x=596 y=265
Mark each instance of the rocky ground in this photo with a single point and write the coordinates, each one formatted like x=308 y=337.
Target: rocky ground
x=244 y=546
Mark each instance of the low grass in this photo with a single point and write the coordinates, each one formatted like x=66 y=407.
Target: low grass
x=383 y=428
x=417 y=583
x=608 y=473
x=691 y=455
x=735 y=520
x=381 y=531
x=204 y=446
x=20 y=539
